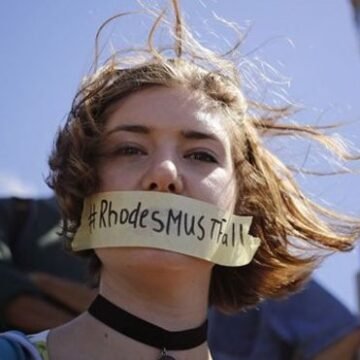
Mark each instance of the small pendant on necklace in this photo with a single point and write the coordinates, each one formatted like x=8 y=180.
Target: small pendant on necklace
x=165 y=356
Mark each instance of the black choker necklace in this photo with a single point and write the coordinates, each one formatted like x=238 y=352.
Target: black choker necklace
x=145 y=332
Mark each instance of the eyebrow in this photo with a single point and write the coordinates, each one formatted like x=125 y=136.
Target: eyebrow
x=187 y=134
x=139 y=129
x=198 y=135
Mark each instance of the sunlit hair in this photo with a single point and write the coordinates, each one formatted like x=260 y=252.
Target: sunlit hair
x=290 y=225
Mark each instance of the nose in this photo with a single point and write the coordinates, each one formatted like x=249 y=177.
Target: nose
x=164 y=177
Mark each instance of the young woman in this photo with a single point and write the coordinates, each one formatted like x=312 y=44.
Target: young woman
x=175 y=128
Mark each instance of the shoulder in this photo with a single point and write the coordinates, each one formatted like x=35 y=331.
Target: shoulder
x=11 y=345
x=15 y=345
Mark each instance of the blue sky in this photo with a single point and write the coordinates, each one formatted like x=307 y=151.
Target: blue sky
x=46 y=47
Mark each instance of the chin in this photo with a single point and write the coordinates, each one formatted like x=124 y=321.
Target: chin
x=150 y=259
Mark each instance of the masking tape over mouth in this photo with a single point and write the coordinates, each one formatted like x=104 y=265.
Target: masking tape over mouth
x=165 y=221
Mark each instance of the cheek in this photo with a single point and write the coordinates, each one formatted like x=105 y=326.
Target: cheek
x=220 y=189
x=115 y=177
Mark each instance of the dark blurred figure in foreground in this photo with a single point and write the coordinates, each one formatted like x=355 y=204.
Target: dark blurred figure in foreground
x=42 y=286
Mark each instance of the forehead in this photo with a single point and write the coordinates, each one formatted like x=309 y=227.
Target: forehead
x=167 y=109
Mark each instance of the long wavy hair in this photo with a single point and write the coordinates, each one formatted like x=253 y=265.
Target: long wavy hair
x=292 y=227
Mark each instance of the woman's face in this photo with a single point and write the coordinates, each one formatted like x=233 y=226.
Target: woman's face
x=161 y=139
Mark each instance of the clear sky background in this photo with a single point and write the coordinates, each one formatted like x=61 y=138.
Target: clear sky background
x=47 y=46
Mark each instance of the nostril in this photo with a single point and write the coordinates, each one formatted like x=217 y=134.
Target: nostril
x=171 y=187
x=152 y=186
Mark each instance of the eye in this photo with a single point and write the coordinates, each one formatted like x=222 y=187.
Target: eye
x=201 y=156
x=129 y=150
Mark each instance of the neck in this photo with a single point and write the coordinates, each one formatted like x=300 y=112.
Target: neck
x=174 y=300
x=88 y=339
